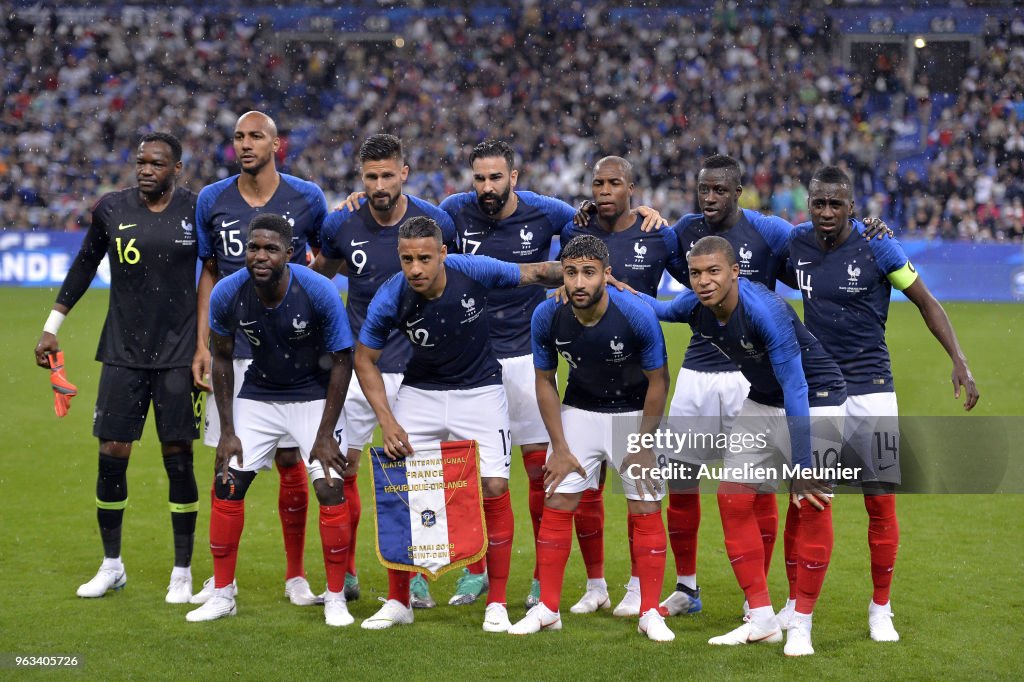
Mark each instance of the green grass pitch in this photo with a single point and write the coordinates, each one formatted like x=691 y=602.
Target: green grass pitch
x=957 y=594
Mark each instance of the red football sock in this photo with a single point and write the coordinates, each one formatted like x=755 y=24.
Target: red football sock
x=533 y=462
x=336 y=538
x=789 y=536
x=814 y=549
x=292 y=503
x=500 y=531
x=743 y=541
x=227 y=518
x=883 y=541
x=683 y=517
x=355 y=508
x=553 y=545
x=589 y=519
x=649 y=542
x=632 y=553
x=766 y=509
x=398 y=585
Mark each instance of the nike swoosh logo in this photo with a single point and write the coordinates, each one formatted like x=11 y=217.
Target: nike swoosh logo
x=122 y=226
x=414 y=322
x=561 y=343
x=803 y=262
x=338 y=550
x=760 y=639
x=225 y=223
x=471 y=234
x=355 y=243
x=247 y=324
x=296 y=509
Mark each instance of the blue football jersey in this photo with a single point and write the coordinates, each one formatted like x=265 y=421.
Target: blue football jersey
x=223 y=217
x=637 y=258
x=290 y=343
x=523 y=237
x=785 y=365
x=846 y=294
x=760 y=243
x=371 y=252
x=450 y=335
x=606 y=361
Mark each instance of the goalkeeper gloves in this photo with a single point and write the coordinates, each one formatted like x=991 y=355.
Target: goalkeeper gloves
x=63 y=390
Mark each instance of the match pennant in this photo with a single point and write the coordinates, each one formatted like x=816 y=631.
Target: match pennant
x=430 y=514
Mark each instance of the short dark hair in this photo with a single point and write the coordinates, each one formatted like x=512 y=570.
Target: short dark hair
x=832 y=175
x=706 y=246
x=168 y=139
x=492 y=147
x=381 y=147
x=585 y=246
x=726 y=163
x=420 y=227
x=624 y=165
x=272 y=222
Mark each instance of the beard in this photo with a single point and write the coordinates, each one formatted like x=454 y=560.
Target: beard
x=492 y=203
x=384 y=201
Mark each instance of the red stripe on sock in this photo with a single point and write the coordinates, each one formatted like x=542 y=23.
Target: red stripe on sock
x=500 y=533
x=398 y=585
x=589 y=521
x=227 y=518
x=355 y=509
x=683 y=520
x=553 y=545
x=292 y=505
x=336 y=539
x=789 y=536
x=743 y=541
x=766 y=509
x=814 y=551
x=883 y=542
x=649 y=544
x=533 y=462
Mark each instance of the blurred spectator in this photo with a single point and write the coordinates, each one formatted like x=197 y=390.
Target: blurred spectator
x=765 y=86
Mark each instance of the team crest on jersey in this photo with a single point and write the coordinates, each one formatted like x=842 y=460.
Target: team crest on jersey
x=526 y=247
x=745 y=255
x=853 y=285
x=748 y=348
x=617 y=346
x=300 y=328
x=469 y=305
x=188 y=237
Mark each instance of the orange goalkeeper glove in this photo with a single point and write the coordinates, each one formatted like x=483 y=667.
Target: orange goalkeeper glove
x=63 y=390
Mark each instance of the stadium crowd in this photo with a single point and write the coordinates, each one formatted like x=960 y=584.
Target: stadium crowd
x=765 y=87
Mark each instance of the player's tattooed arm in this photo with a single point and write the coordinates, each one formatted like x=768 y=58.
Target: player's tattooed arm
x=229 y=447
x=326 y=448
x=548 y=273
x=942 y=329
x=395 y=439
x=201 y=359
x=561 y=462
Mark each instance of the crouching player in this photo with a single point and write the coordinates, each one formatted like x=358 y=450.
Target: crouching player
x=295 y=387
x=618 y=378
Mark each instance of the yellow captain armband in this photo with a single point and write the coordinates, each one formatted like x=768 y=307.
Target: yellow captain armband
x=904 y=277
